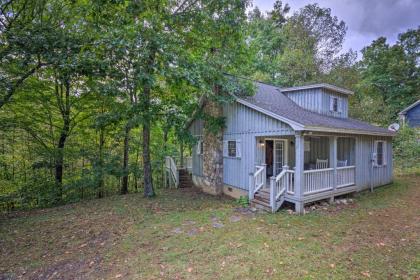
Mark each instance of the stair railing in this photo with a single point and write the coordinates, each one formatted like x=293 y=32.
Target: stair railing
x=172 y=170
x=278 y=187
x=257 y=180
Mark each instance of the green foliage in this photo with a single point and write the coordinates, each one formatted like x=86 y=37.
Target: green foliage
x=243 y=201
x=407 y=148
x=391 y=74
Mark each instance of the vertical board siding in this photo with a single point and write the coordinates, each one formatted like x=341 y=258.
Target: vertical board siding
x=366 y=174
x=413 y=116
x=318 y=100
x=248 y=125
x=245 y=124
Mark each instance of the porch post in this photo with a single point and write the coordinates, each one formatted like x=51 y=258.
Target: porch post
x=273 y=194
x=251 y=186
x=299 y=177
x=264 y=175
x=333 y=160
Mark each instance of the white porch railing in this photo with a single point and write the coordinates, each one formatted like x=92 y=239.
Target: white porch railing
x=172 y=171
x=257 y=180
x=279 y=185
x=318 y=180
x=346 y=176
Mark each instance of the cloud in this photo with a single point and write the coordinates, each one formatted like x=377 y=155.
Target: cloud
x=366 y=19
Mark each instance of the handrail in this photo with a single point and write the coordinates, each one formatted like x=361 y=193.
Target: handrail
x=172 y=169
x=346 y=167
x=318 y=170
x=257 y=180
x=279 y=185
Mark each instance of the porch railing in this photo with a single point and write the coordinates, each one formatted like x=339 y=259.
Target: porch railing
x=318 y=180
x=346 y=176
x=279 y=185
x=172 y=170
x=257 y=180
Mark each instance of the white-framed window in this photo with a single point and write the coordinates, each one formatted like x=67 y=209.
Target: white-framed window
x=335 y=104
x=380 y=153
x=232 y=148
x=200 y=147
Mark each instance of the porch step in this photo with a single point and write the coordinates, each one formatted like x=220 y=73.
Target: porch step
x=261 y=204
x=185 y=180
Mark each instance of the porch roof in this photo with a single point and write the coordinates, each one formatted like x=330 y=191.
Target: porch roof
x=270 y=100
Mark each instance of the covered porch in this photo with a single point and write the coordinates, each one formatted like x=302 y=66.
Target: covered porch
x=303 y=168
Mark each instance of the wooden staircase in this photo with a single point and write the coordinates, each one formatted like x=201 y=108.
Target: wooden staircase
x=261 y=200
x=185 y=180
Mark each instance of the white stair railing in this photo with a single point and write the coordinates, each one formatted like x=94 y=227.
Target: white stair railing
x=257 y=180
x=279 y=185
x=172 y=170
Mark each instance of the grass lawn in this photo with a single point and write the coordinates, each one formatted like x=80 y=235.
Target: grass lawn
x=183 y=234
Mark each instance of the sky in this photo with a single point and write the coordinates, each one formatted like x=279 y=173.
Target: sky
x=366 y=20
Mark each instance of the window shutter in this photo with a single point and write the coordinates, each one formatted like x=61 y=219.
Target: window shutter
x=198 y=149
x=238 y=148
x=331 y=103
x=225 y=148
x=375 y=151
x=340 y=105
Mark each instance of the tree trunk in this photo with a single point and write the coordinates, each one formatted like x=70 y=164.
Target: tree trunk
x=124 y=184
x=59 y=160
x=100 y=186
x=147 y=165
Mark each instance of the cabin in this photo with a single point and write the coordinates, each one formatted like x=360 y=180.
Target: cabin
x=295 y=144
x=411 y=115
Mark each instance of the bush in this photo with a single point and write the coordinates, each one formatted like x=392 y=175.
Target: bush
x=407 y=148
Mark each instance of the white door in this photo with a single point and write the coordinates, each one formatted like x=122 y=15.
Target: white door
x=279 y=156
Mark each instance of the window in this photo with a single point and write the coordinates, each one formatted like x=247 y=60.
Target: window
x=336 y=104
x=380 y=150
x=232 y=148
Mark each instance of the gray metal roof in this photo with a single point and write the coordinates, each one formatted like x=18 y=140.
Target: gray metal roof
x=272 y=101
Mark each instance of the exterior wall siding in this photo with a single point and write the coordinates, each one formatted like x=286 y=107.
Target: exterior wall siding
x=318 y=100
x=413 y=116
x=366 y=174
x=248 y=126
x=244 y=124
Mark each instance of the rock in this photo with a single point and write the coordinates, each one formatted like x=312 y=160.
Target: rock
x=177 y=230
x=253 y=209
x=235 y=219
x=218 y=225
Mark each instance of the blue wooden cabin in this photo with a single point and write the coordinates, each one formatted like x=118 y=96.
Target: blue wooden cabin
x=411 y=115
x=298 y=145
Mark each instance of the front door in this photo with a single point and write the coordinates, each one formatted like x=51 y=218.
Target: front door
x=279 y=156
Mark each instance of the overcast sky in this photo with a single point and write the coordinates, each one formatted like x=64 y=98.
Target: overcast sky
x=366 y=19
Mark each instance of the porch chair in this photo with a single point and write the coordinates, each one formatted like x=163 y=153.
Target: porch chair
x=341 y=163
x=321 y=163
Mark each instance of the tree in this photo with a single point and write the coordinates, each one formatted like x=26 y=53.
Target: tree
x=391 y=73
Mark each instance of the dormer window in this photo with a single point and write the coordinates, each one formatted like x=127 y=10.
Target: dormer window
x=335 y=104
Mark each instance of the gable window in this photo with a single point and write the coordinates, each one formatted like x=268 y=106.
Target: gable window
x=334 y=104
x=232 y=148
x=380 y=150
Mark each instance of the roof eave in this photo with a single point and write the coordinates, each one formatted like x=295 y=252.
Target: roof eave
x=323 y=85
x=348 y=131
